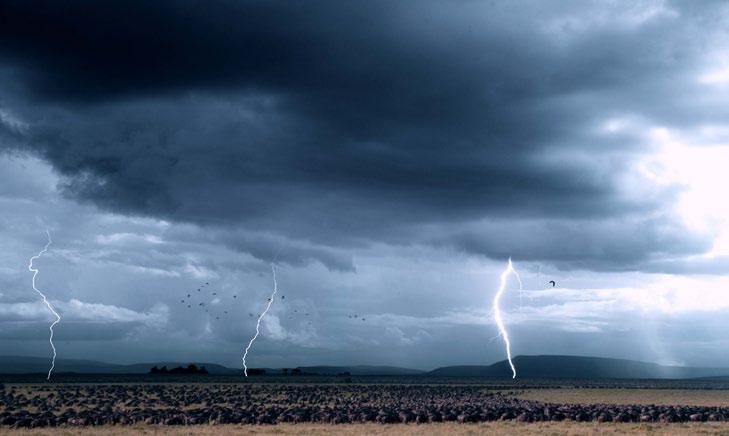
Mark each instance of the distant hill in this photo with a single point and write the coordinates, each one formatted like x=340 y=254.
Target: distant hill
x=30 y=365
x=579 y=367
x=548 y=366
x=360 y=370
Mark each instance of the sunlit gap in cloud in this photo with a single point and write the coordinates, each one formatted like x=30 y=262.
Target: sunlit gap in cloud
x=716 y=77
x=699 y=170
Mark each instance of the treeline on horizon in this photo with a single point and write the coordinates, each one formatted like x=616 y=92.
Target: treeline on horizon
x=192 y=369
x=293 y=371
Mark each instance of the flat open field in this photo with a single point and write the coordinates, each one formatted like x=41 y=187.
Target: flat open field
x=447 y=429
x=666 y=397
x=362 y=405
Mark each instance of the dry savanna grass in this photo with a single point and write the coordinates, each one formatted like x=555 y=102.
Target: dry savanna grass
x=668 y=397
x=491 y=428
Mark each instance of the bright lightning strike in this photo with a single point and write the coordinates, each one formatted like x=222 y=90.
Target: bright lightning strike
x=497 y=311
x=258 y=323
x=45 y=300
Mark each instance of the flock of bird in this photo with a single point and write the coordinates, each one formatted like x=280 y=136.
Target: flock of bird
x=204 y=300
x=193 y=300
x=201 y=304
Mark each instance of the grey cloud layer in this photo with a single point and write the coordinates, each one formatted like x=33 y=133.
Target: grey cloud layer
x=310 y=129
x=424 y=306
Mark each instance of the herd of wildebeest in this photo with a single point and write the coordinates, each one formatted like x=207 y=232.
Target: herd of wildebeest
x=52 y=405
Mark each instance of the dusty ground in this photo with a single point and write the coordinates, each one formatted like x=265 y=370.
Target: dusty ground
x=683 y=397
x=494 y=428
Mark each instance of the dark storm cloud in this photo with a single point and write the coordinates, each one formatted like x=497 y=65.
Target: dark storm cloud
x=602 y=245
x=339 y=124
x=280 y=249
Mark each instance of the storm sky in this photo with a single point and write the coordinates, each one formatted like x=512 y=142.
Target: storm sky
x=389 y=157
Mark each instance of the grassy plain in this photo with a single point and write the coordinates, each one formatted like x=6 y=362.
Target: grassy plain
x=446 y=429
x=668 y=397
x=706 y=393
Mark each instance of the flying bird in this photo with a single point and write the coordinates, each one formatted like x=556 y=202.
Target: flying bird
x=553 y=283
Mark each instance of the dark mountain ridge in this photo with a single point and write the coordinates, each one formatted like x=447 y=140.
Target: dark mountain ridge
x=542 y=366
x=32 y=365
x=36 y=365
x=360 y=370
x=585 y=367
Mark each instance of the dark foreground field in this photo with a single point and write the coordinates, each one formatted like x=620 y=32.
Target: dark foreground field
x=372 y=405
x=565 y=428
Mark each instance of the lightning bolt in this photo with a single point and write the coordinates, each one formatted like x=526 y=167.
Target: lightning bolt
x=497 y=311
x=45 y=300
x=258 y=323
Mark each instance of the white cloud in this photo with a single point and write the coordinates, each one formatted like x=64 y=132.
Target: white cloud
x=79 y=311
x=122 y=239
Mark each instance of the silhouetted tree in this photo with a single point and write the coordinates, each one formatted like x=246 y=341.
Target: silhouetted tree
x=189 y=369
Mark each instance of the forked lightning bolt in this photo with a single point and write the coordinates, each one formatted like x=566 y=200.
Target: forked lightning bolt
x=258 y=323
x=497 y=311
x=45 y=300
